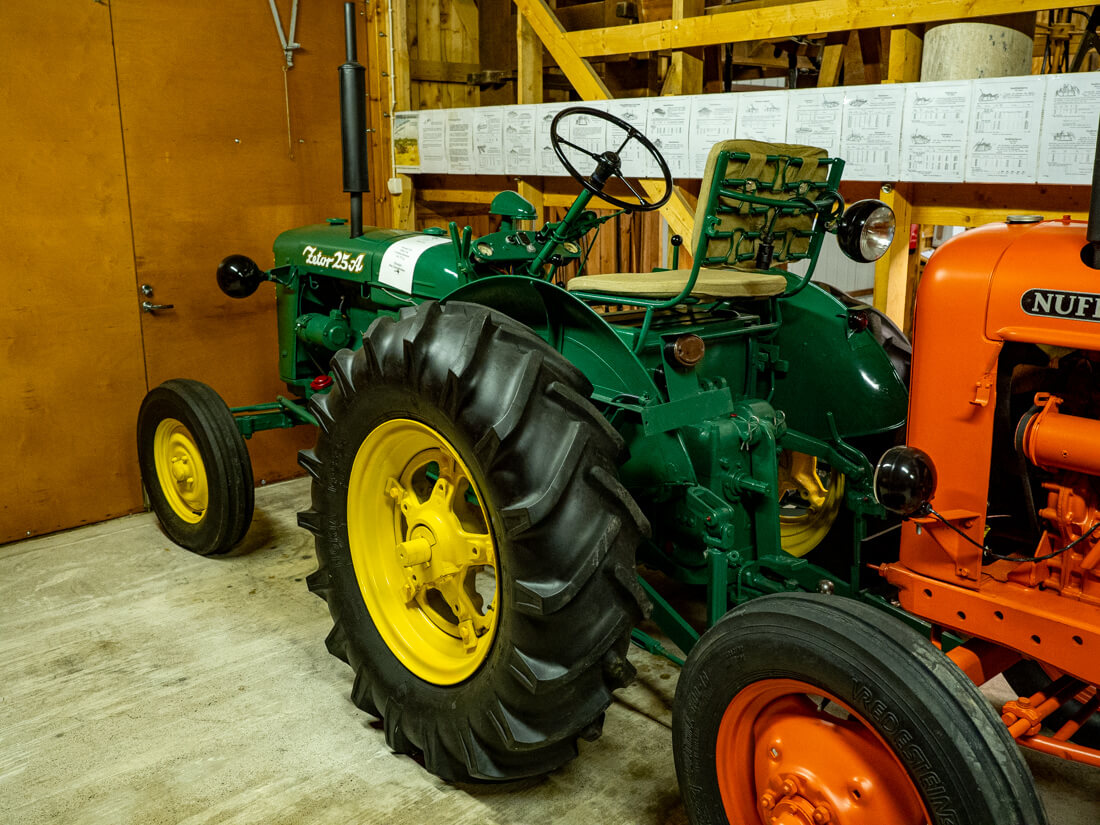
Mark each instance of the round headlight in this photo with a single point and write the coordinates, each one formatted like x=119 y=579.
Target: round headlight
x=239 y=276
x=905 y=480
x=866 y=230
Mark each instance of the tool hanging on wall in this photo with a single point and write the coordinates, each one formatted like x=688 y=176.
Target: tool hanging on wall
x=289 y=45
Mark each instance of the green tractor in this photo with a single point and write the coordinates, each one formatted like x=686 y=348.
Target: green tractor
x=499 y=454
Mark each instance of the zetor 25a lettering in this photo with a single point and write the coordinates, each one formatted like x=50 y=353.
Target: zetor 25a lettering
x=338 y=260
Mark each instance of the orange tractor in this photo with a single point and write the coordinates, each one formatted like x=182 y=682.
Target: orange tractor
x=817 y=709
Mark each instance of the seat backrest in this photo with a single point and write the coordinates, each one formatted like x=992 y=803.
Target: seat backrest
x=752 y=189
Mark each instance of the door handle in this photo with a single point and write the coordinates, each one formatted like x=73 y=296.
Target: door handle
x=151 y=308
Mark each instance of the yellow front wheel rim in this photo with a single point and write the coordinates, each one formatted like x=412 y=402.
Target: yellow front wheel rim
x=810 y=501
x=181 y=473
x=423 y=551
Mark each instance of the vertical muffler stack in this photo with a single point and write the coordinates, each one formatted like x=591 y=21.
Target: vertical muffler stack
x=1091 y=252
x=353 y=124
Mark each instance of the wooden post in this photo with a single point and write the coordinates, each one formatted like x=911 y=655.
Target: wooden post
x=585 y=80
x=429 y=46
x=905 y=54
x=529 y=90
x=403 y=206
x=375 y=55
x=685 y=72
x=892 y=269
x=460 y=45
x=832 y=60
x=895 y=275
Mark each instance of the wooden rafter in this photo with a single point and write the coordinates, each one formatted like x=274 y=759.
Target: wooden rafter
x=817 y=17
x=590 y=86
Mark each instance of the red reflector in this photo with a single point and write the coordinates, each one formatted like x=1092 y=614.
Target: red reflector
x=858 y=321
x=321 y=382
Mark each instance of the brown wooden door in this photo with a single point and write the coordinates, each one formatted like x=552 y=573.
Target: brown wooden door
x=71 y=370
x=214 y=171
x=147 y=141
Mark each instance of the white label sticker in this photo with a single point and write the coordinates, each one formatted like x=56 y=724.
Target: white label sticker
x=399 y=260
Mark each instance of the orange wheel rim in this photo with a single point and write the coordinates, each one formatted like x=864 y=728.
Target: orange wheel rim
x=790 y=753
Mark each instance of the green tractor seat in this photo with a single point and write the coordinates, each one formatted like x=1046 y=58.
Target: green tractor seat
x=751 y=191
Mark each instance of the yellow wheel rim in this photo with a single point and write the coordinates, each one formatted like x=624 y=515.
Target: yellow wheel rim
x=810 y=501
x=423 y=551
x=180 y=471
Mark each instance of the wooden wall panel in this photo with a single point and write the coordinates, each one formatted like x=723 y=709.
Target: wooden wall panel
x=211 y=171
x=71 y=371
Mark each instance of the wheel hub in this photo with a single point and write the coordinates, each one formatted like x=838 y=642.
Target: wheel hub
x=180 y=471
x=810 y=761
x=422 y=550
x=808 y=507
x=437 y=555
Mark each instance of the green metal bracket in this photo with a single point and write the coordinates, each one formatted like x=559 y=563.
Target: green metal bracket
x=651 y=645
x=659 y=418
x=282 y=414
x=682 y=634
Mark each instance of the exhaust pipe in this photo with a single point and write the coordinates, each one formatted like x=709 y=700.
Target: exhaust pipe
x=1091 y=252
x=353 y=124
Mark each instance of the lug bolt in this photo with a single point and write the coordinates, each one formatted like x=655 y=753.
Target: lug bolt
x=767 y=800
x=821 y=815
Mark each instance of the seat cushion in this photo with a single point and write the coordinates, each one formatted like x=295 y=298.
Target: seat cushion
x=771 y=176
x=712 y=283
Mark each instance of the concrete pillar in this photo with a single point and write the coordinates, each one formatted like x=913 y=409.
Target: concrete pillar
x=990 y=47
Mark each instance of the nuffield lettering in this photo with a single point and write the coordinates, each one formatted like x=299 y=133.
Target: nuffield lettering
x=1055 y=303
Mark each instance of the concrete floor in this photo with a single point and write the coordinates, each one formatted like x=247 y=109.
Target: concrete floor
x=142 y=684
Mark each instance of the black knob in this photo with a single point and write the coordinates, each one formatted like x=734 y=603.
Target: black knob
x=239 y=276
x=676 y=240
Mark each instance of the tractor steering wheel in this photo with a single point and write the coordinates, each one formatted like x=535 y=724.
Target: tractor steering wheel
x=609 y=164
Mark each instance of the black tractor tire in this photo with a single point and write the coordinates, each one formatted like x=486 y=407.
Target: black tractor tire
x=956 y=755
x=565 y=531
x=209 y=437
x=1026 y=677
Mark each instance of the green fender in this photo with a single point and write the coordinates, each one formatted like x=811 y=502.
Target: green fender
x=621 y=384
x=834 y=368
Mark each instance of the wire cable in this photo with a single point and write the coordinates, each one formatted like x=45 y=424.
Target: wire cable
x=993 y=555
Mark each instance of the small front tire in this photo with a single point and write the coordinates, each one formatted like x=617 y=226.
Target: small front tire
x=195 y=466
x=808 y=708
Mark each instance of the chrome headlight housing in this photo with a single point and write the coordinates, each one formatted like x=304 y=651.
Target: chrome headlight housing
x=866 y=230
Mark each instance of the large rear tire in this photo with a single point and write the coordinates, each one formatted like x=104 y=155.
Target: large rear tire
x=195 y=466
x=474 y=545
x=807 y=708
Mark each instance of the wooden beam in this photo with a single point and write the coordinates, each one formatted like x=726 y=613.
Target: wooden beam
x=870 y=47
x=529 y=90
x=906 y=49
x=832 y=60
x=496 y=49
x=685 y=71
x=944 y=215
x=437 y=71
x=787 y=20
x=590 y=87
x=460 y=46
x=480 y=196
x=553 y=36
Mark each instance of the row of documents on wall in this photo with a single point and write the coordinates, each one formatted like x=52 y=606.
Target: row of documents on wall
x=1040 y=128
